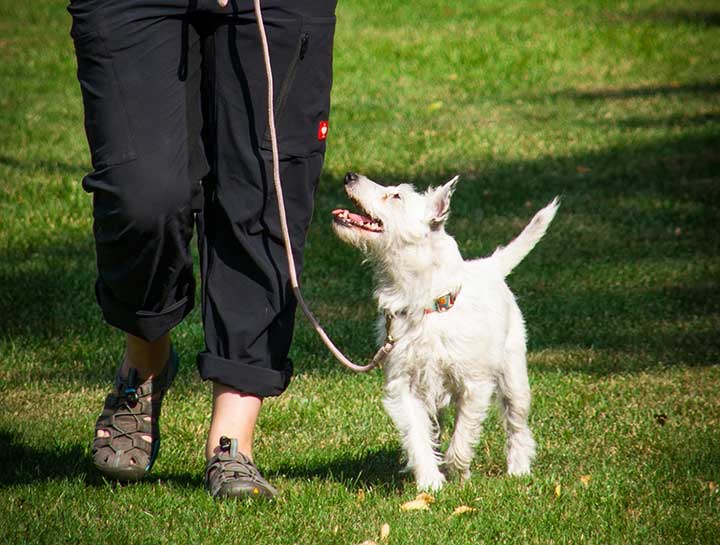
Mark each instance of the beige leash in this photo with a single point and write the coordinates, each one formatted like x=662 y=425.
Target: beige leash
x=381 y=354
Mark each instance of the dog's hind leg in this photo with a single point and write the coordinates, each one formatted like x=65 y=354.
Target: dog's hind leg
x=472 y=407
x=418 y=433
x=514 y=399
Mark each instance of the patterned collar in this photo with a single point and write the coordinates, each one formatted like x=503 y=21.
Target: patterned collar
x=444 y=302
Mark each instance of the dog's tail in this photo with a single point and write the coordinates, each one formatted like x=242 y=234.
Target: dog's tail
x=510 y=256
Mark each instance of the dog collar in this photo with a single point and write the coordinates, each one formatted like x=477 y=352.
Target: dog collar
x=444 y=302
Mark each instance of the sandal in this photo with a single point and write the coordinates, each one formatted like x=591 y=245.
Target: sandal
x=231 y=474
x=131 y=411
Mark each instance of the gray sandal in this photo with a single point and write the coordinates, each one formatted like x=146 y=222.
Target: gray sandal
x=231 y=474
x=132 y=411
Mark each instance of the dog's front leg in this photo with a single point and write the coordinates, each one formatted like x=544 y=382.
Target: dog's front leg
x=418 y=433
x=472 y=407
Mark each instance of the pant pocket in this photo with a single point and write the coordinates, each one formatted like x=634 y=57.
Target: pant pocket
x=106 y=119
x=302 y=102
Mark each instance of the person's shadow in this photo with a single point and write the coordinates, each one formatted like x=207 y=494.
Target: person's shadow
x=24 y=464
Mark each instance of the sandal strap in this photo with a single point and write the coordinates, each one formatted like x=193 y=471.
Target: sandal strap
x=160 y=383
x=132 y=411
x=136 y=443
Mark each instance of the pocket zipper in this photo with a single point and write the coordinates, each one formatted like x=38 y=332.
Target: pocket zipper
x=290 y=76
x=304 y=39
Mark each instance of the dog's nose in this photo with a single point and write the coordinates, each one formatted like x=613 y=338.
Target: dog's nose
x=351 y=177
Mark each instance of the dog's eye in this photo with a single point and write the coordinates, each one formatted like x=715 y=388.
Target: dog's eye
x=396 y=196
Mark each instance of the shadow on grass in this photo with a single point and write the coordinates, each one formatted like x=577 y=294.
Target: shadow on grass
x=627 y=330
x=707 y=18
x=670 y=121
x=642 y=91
x=49 y=167
x=25 y=464
x=47 y=289
x=378 y=468
x=626 y=209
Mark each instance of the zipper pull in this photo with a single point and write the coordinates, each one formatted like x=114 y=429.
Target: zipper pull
x=304 y=39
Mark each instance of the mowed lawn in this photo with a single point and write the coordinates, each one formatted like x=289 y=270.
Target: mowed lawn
x=613 y=105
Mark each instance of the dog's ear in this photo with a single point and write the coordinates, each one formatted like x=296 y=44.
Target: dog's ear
x=439 y=203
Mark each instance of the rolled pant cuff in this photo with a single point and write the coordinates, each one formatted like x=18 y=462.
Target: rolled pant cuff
x=144 y=324
x=249 y=379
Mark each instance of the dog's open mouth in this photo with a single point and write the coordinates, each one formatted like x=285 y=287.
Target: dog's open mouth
x=357 y=221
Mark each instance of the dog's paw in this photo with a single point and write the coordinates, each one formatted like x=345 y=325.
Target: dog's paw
x=455 y=469
x=518 y=468
x=431 y=482
x=518 y=472
x=461 y=474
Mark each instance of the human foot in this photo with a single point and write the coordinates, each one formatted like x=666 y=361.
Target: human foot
x=231 y=474
x=127 y=432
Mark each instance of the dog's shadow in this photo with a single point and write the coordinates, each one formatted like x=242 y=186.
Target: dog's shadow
x=379 y=468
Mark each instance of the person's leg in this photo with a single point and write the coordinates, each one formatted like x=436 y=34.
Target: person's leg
x=148 y=357
x=234 y=415
x=139 y=70
x=248 y=306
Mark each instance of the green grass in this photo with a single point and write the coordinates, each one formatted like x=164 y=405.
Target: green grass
x=613 y=105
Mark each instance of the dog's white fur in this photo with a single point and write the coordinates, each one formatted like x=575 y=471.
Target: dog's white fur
x=463 y=355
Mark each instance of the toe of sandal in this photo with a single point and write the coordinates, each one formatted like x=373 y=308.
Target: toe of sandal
x=231 y=474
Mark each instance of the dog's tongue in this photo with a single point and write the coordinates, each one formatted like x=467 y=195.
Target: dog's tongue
x=351 y=216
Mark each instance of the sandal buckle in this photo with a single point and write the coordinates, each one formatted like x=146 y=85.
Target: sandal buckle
x=131 y=395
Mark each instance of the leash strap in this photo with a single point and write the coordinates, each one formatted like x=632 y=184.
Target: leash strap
x=381 y=354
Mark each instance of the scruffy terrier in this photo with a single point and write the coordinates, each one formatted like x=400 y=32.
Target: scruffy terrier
x=456 y=330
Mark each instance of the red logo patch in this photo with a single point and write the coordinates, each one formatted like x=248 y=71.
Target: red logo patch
x=323 y=128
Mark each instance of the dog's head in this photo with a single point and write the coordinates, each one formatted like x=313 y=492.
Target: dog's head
x=391 y=218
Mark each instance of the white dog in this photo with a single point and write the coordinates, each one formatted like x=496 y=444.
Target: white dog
x=458 y=333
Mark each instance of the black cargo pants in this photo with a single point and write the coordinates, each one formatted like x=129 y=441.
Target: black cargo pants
x=175 y=103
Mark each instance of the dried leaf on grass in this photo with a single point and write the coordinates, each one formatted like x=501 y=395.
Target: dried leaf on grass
x=384 y=531
x=463 y=509
x=585 y=479
x=421 y=503
x=369 y=542
x=557 y=490
x=415 y=505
